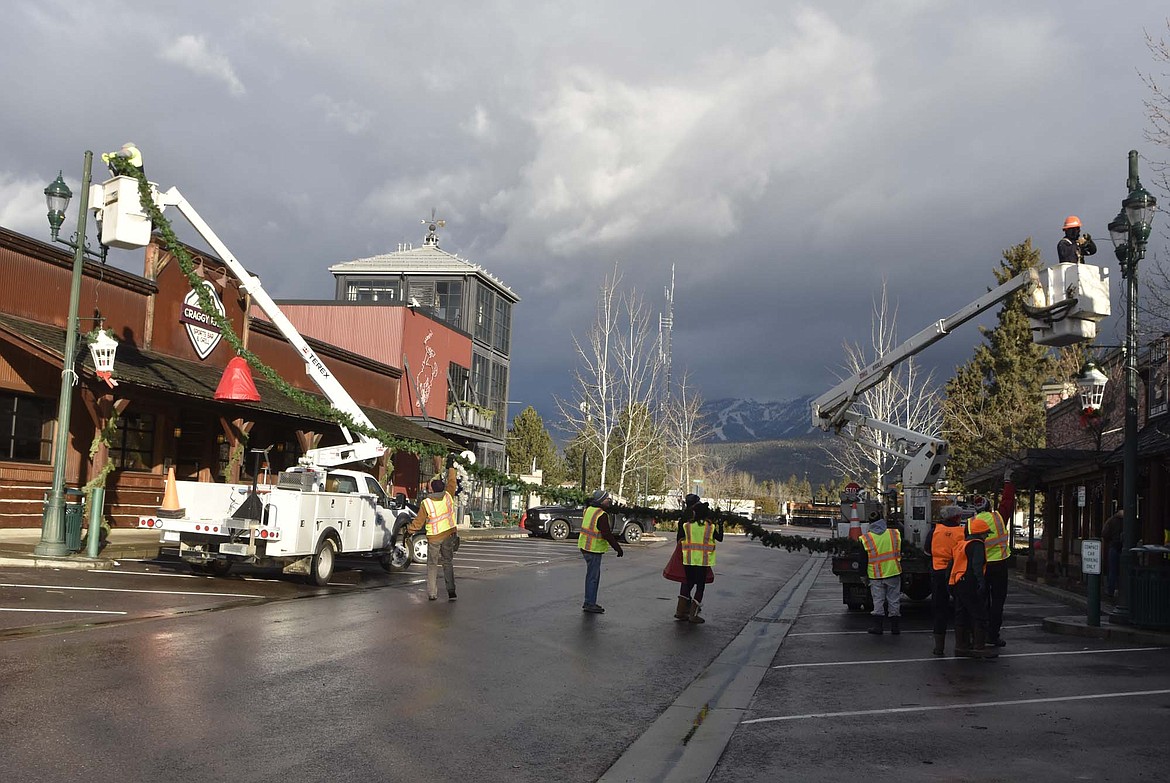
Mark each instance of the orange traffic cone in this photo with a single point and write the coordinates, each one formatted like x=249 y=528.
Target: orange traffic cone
x=854 y=523
x=170 y=507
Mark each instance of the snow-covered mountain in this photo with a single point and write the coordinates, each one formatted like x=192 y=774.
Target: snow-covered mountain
x=743 y=421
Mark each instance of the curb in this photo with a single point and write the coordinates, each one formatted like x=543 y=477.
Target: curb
x=89 y=564
x=1077 y=626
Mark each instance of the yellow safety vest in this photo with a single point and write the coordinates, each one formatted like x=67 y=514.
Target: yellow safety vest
x=440 y=514
x=590 y=540
x=884 y=551
x=996 y=543
x=698 y=547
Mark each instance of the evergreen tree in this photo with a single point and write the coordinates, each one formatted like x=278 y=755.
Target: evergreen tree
x=993 y=404
x=529 y=441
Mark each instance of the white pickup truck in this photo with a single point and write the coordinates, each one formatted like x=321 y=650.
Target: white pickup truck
x=302 y=525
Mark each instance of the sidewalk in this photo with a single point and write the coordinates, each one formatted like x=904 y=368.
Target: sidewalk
x=17 y=545
x=1078 y=624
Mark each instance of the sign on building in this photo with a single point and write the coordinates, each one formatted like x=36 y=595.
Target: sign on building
x=1157 y=392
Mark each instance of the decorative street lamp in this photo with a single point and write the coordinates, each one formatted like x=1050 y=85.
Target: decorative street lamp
x=57 y=195
x=1091 y=387
x=1130 y=231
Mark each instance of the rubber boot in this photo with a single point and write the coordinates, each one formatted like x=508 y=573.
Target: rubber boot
x=694 y=617
x=876 y=628
x=962 y=643
x=940 y=644
x=895 y=626
x=683 y=610
x=981 y=650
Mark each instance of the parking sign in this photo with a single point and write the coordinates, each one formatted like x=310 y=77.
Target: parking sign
x=1091 y=556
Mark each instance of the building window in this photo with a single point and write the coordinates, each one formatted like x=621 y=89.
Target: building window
x=485 y=303
x=133 y=442
x=499 y=394
x=457 y=382
x=449 y=302
x=372 y=291
x=26 y=428
x=480 y=379
x=503 y=325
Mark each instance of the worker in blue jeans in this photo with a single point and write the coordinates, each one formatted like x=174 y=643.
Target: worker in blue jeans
x=595 y=539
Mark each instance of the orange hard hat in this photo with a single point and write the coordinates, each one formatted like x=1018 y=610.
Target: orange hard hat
x=1072 y=221
x=977 y=526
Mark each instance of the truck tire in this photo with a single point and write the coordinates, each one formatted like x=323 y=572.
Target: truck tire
x=918 y=587
x=321 y=568
x=632 y=533
x=397 y=559
x=558 y=530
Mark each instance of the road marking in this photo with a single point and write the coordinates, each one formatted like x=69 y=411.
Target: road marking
x=941 y=658
x=127 y=590
x=1010 y=703
x=904 y=632
x=62 y=611
x=147 y=573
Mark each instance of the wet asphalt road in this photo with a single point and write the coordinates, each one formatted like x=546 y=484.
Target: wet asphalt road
x=267 y=679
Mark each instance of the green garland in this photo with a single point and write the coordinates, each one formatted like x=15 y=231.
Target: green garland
x=103 y=437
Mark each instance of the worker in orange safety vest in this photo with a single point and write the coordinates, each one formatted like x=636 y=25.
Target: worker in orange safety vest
x=969 y=585
x=940 y=544
x=883 y=550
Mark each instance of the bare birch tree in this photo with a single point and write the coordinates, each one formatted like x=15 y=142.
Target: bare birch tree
x=639 y=366
x=683 y=431
x=906 y=398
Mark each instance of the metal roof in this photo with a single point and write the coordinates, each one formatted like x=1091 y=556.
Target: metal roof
x=427 y=259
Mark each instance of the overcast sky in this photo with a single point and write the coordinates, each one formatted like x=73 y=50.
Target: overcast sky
x=785 y=157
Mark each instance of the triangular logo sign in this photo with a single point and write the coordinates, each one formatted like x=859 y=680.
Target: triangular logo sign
x=204 y=334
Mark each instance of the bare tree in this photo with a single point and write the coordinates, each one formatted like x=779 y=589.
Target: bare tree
x=639 y=366
x=906 y=398
x=683 y=431
x=591 y=413
x=1154 y=302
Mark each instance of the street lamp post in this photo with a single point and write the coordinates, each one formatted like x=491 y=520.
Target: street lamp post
x=57 y=195
x=1130 y=231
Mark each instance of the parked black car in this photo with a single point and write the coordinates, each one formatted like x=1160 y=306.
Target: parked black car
x=561 y=522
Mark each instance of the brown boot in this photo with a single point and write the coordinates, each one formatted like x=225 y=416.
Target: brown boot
x=981 y=650
x=962 y=644
x=695 y=618
x=683 y=610
x=940 y=644
x=876 y=628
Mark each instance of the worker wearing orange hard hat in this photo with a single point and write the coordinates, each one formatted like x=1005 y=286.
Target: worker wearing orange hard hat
x=969 y=584
x=1074 y=246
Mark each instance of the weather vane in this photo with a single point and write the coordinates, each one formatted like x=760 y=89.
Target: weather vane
x=432 y=229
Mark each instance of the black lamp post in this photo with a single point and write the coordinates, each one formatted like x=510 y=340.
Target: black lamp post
x=1130 y=231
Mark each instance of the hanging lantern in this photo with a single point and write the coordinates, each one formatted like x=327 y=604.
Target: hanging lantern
x=102 y=349
x=1091 y=385
x=236 y=385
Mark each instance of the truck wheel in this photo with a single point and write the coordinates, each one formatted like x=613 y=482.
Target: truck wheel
x=918 y=587
x=219 y=567
x=558 y=530
x=321 y=569
x=397 y=559
x=632 y=533
x=419 y=549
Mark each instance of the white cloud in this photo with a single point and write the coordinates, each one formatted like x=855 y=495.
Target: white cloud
x=352 y=117
x=479 y=124
x=22 y=206
x=192 y=53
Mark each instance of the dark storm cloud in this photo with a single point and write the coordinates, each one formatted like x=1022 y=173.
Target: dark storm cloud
x=786 y=158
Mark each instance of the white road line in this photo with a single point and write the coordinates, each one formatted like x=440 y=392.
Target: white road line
x=1011 y=703
x=147 y=573
x=929 y=630
x=938 y=658
x=126 y=590
x=492 y=560
x=61 y=611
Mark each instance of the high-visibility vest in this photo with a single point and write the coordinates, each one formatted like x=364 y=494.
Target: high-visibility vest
x=440 y=514
x=943 y=541
x=884 y=551
x=698 y=546
x=590 y=539
x=959 y=569
x=996 y=542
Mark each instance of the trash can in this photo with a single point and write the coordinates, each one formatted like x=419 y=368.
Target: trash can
x=74 y=518
x=1150 y=593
